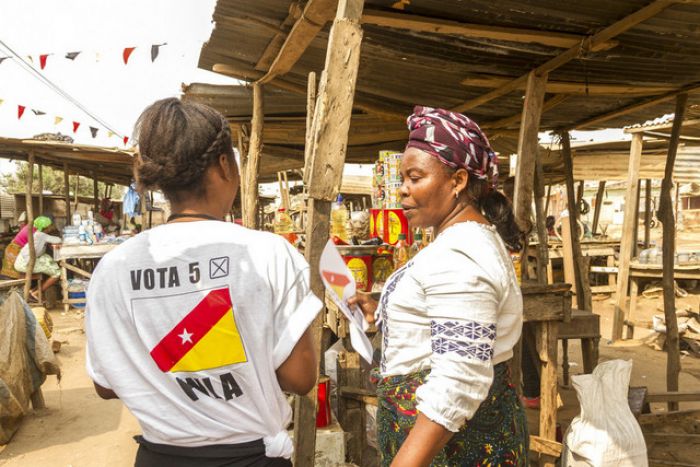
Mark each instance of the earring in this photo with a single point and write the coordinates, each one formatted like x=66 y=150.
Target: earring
x=456 y=194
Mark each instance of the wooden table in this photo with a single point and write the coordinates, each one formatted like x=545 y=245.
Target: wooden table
x=639 y=271
x=67 y=255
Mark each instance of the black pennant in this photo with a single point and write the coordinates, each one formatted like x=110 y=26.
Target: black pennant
x=72 y=55
x=93 y=130
x=2 y=59
x=38 y=112
x=155 y=49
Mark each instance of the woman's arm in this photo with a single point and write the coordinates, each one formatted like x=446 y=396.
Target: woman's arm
x=105 y=393
x=366 y=303
x=298 y=373
x=424 y=442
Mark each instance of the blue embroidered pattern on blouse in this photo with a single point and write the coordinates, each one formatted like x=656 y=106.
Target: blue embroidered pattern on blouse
x=462 y=338
x=383 y=305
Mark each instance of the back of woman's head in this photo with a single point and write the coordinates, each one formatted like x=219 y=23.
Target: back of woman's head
x=498 y=210
x=177 y=143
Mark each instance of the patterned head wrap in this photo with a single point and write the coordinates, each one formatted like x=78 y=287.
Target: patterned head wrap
x=42 y=222
x=456 y=140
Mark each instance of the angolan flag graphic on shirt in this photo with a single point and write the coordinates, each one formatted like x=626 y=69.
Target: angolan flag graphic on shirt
x=202 y=337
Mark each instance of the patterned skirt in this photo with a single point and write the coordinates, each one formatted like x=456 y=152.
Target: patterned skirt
x=495 y=436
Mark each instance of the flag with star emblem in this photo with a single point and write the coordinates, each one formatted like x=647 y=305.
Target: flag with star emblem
x=206 y=337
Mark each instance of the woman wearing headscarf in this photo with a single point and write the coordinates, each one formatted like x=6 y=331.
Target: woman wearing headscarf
x=452 y=315
x=44 y=263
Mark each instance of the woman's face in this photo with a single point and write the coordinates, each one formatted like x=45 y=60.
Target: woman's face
x=428 y=189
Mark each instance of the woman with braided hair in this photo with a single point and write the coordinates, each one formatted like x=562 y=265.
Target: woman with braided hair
x=452 y=315
x=199 y=325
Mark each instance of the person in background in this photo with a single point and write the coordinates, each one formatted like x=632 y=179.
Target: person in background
x=106 y=216
x=452 y=315
x=199 y=325
x=44 y=263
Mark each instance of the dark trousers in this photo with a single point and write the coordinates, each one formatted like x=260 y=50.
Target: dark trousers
x=251 y=454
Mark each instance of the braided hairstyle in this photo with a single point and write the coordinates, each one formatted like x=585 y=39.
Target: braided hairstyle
x=178 y=141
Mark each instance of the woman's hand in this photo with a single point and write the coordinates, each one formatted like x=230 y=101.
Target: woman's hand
x=366 y=303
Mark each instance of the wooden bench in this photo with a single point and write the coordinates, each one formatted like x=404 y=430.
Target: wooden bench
x=583 y=325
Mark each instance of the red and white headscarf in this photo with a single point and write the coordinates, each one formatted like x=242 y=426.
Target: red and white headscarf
x=456 y=140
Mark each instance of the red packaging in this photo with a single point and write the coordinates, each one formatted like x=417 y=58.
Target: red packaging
x=359 y=261
x=387 y=224
x=323 y=413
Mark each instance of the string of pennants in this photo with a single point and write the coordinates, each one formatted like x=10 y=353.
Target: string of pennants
x=22 y=111
x=126 y=55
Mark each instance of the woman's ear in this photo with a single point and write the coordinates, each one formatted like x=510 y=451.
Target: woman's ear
x=228 y=168
x=460 y=179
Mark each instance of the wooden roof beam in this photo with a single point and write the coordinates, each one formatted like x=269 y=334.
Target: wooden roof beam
x=314 y=17
x=275 y=44
x=569 y=87
x=417 y=23
x=588 y=44
x=514 y=119
x=640 y=105
x=242 y=71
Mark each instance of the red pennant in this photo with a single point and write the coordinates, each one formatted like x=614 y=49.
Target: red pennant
x=75 y=126
x=127 y=54
x=42 y=60
x=20 y=111
x=126 y=140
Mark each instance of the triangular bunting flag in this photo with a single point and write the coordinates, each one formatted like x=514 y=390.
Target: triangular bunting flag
x=72 y=55
x=20 y=111
x=38 y=112
x=93 y=131
x=42 y=60
x=75 y=126
x=126 y=140
x=155 y=49
x=127 y=54
x=1 y=101
x=110 y=134
x=57 y=120
x=2 y=59
x=31 y=60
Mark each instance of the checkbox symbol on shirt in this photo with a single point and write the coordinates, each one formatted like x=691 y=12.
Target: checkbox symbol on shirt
x=218 y=267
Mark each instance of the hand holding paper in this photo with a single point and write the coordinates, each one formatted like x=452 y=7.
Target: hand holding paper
x=340 y=285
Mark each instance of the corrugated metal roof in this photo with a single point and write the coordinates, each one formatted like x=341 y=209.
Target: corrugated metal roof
x=401 y=68
x=111 y=165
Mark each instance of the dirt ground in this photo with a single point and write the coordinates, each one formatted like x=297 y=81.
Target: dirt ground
x=80 y=430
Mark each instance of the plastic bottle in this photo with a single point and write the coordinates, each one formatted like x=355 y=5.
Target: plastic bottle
x=77 y=220
x=417 y=244
x=284 y=225
x=402 y=252
x=339 y=219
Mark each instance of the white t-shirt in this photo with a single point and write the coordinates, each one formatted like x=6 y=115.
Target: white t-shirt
x=40 y=241
x=187 y=324
x=455 y=309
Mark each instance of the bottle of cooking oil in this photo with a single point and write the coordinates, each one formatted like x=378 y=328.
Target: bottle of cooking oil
x=402 y=252
x=339 y=219
x=417 y=244
x=284 y=225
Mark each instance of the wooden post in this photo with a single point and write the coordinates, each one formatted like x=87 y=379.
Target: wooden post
x=598 y=206
x=66 y=185
x=77 y=190
x=579 y=192
x=30 y=224
x=647 y=214
x=673 y=362
x=546 y=203
x=41 y=189
x=528 y=143
x=541 y=218
x=547 y=349
x=328 y=141
x=243 y=156
x=623 y=273
x=635 y=235
x=310 y=106
x=583 y=292
x=351 y=413
x=95 y=194
x=250 y=189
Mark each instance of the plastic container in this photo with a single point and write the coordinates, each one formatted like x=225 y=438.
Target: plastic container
x=339 y=219
x=402 y=252
x=284 y=225
x=77 y=220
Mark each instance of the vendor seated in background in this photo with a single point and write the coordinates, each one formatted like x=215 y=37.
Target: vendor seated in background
x=44 y=263
x=106 y=216
x=13 y=249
